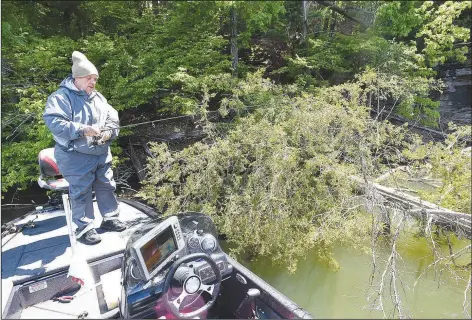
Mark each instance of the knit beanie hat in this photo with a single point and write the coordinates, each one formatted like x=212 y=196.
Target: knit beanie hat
x=81 y=66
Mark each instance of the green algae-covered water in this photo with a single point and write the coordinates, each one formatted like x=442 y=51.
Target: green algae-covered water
x=327 y=293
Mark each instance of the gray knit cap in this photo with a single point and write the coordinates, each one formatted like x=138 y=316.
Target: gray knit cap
x=81 y=66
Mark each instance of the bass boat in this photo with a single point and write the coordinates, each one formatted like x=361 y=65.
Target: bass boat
x=159 y=267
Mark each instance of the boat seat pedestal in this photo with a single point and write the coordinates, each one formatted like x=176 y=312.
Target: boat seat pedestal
x=49 y=175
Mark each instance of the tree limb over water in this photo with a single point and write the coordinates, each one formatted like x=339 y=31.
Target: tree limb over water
x=403 y=204
x=424 y=209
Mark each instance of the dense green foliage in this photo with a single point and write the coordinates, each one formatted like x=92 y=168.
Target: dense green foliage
x=147 y=50
x=280 y=174
x=283 y=171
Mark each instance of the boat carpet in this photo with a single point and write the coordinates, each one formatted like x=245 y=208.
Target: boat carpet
x=45 y=249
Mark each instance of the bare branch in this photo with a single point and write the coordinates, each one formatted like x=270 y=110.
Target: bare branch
x=390 y=273
x=466 y=303
x=122 y=174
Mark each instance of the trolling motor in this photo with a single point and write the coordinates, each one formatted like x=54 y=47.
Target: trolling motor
x=10 y=227
x=14 y=230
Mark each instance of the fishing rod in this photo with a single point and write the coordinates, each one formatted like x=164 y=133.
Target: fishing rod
x=12 y=228
x=160 y=120
x=147 y=122
x=96 y=139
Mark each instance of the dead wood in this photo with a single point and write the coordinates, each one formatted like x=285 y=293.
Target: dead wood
x=423 y=209
x=389 y=173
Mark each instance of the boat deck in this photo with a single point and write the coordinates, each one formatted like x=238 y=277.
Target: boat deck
x=45 y=249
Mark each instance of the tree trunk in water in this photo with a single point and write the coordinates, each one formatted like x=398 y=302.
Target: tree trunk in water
x=421 y=208
x=385 y=220
x=136 y=163
x=234 y=42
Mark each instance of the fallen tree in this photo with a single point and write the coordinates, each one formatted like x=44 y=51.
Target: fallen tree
x=461 y=222
x=278 y=181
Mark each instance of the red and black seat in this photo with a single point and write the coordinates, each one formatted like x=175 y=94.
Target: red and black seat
x=49 y=175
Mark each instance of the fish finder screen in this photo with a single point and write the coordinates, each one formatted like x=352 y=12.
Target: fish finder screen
x=158 y=249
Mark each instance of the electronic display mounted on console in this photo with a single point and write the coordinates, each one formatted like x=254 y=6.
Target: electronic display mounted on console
x=157 y=247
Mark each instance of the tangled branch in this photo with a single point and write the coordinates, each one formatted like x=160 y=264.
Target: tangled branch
x=390 y=272
x=466 y=303
x=122 y=174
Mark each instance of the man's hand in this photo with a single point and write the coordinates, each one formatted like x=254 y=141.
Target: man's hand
x=91 y=131
x=104 y=137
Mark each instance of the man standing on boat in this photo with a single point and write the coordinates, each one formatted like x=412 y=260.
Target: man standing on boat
x=78 y=117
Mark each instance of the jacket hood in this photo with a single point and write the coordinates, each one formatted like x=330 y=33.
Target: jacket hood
x=68 y=83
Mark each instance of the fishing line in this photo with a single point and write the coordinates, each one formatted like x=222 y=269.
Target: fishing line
x=146 y=122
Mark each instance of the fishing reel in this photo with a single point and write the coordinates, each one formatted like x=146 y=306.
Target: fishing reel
x=96 y=141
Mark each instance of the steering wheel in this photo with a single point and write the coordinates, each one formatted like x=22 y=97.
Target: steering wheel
x=191 y=285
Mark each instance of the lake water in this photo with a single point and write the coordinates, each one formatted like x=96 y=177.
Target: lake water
x=327 y=293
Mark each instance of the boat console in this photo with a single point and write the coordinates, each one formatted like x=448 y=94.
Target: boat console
x=171 y=265
x=158 y=247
